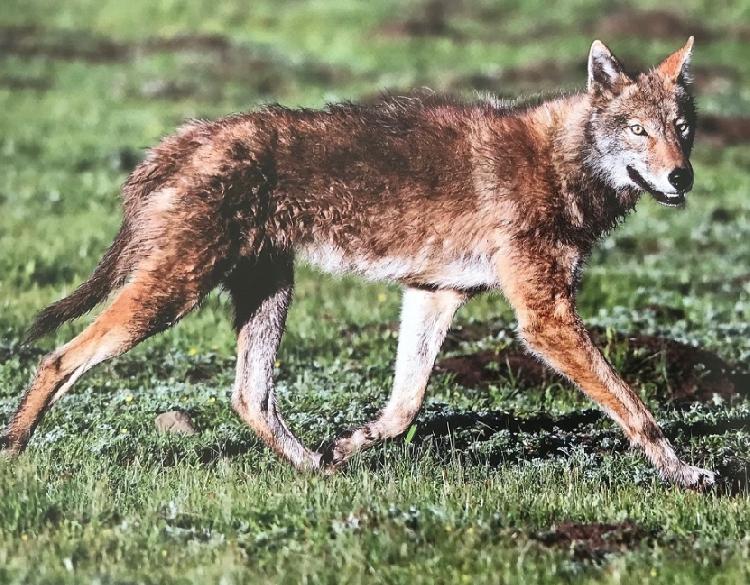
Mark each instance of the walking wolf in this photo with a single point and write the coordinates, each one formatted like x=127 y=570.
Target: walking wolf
x=448 y=198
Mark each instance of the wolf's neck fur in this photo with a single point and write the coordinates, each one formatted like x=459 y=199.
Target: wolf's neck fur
x=562 y=127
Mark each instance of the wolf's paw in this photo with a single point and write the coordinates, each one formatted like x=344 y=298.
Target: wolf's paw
x=332 y=459
x=336 y=454
x=694 y=478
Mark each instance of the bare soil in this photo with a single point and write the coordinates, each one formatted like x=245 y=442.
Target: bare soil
x=594 y=540
x=684 y=373
x=724 y=130
x=649 y=24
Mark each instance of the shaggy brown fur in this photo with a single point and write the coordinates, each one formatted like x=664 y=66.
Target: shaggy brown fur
x=447 y=198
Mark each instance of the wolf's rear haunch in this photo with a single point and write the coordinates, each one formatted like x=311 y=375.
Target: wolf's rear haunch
x=447 y=198
x=196 y=216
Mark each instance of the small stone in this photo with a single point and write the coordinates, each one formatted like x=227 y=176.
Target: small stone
x=175 y=421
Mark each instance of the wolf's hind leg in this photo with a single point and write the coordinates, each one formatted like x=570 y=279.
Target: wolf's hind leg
x=261 y=291
x=139 y=310
x=425 y=319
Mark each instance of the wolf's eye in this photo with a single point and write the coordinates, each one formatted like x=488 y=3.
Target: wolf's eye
x=682 y=127
x=638 y=130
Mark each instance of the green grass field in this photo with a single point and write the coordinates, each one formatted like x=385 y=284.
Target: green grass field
x=509 y=475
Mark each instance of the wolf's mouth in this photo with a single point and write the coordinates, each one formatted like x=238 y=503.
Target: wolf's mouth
x=676 y=199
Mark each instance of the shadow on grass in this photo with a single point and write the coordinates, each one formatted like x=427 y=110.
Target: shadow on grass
x=546 y=436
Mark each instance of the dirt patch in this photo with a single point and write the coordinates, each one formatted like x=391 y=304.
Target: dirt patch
x=66 y=45
x=546 y=72
x=739 y=33
x=683 y=373
x=263 y=72
x=722 y=215
x=649 y=24
x=542 y=75
x=428 y=19
x=13 y=82
x=489 y=367
x=692 y=374
x=81 y=45
x=271 y=74
x=594 y=540
x=724 y=130
x=213 y=60
x=549 y=74
x=188 y=44
x=715 y=78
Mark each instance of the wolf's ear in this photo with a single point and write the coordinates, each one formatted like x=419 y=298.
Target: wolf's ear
x=675 y=67
x=605 y=71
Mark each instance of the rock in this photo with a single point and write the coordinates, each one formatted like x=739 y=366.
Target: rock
x=175 y=421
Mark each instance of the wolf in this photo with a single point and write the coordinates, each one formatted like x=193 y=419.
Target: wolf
x=448 y=198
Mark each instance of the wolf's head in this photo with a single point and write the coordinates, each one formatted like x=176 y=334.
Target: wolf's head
x=641 y=128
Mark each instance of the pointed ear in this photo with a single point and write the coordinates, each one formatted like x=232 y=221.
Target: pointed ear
x=676 y=65
x=605 y=71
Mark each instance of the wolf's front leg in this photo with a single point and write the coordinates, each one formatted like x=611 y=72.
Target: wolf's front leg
x=550 y=326
x=425 y=318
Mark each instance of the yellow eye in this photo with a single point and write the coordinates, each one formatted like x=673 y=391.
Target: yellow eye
x=638 y=130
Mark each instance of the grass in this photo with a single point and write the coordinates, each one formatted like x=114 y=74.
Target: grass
x=102 y=497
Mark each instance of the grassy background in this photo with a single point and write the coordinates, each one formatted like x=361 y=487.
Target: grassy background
x=101 y=497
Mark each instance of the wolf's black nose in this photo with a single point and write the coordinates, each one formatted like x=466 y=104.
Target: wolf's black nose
x=681 y=178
